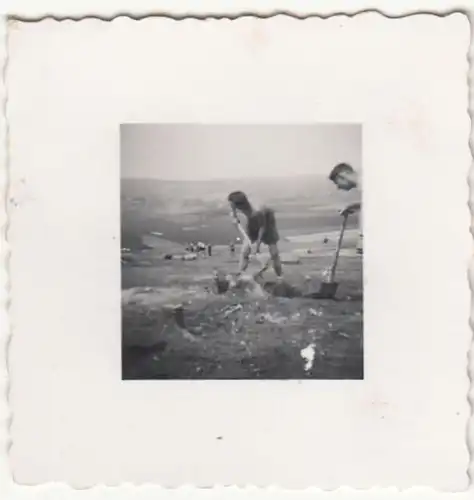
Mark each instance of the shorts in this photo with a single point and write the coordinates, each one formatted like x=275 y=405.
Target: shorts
x=270 y=236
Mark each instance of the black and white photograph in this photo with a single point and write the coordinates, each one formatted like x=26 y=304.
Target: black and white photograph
x=241 y=251
x=237 y=255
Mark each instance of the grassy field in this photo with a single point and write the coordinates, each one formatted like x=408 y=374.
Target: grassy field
x=249 y=333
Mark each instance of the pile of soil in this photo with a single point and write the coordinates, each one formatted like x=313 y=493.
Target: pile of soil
x=237 y=336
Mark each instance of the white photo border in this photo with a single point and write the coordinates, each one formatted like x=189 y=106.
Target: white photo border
x=7 y=484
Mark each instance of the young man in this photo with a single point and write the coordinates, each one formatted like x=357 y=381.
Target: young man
x=260 y=228
x=345 y=178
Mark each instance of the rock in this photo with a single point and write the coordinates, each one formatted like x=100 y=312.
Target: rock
x=248 y=286
x=189 y=256
x=232 y=309
x=275 y=318
x=197 y=330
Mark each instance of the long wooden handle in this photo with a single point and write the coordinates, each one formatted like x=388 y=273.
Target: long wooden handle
x=338 y=249
x=245 y=236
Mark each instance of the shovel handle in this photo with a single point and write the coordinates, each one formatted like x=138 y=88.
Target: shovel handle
x=243 y=233
x=338 y=248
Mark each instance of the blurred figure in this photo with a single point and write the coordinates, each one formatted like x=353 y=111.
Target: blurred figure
x=346 y=178
x=261 y=228
x=201 y=247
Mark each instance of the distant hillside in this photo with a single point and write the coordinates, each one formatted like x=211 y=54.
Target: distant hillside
x=175 y=197
x=198 y=210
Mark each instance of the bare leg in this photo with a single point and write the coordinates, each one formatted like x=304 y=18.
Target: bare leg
x=259 y=273
x=244 y=257
x=275 y=258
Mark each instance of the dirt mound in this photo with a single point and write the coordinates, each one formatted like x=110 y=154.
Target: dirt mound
x=248 y=287
x=161 y=296
x=154 y=325
x=282 y=289
x=230 y=336
x=272 y=330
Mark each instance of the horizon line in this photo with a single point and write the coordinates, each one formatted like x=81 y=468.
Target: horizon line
x=219 y=179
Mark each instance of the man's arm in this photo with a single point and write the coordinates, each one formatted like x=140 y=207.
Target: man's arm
x=233 y=213
x=350 y=209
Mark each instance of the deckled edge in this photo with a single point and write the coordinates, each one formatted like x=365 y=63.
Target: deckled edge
x=230 y=12
x=6 y=478
x=5 y=414
x=470 y=180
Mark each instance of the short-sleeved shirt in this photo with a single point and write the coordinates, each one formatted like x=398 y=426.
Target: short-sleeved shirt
x=264 y=217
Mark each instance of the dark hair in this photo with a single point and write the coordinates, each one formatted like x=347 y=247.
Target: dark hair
x=239 y=199
x=340 y=168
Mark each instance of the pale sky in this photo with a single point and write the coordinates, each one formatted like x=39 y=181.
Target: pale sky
x=200 y=152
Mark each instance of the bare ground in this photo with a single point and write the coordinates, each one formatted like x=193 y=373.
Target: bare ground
x=242 y=334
